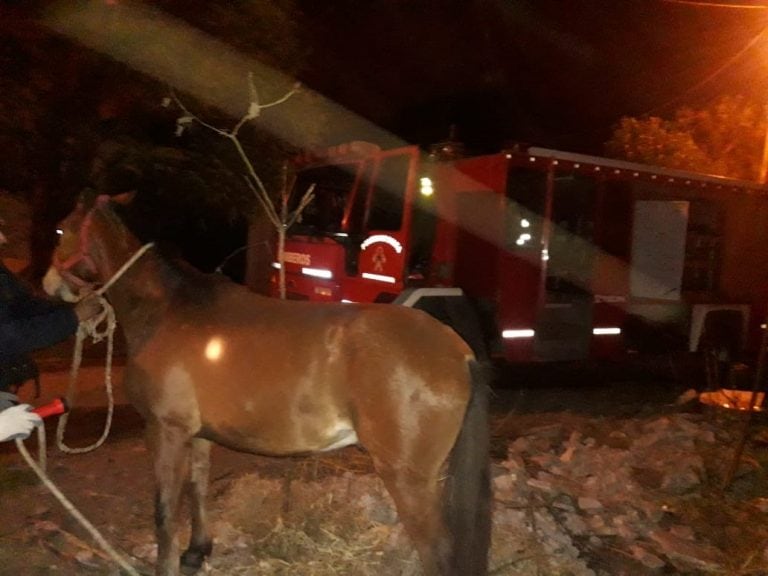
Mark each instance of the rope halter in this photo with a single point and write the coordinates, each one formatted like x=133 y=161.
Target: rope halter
x=83 y=255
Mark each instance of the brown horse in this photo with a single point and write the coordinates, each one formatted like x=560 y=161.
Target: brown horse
x=209 y=360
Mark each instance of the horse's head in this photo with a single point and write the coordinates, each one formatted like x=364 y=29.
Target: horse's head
x=74 y=269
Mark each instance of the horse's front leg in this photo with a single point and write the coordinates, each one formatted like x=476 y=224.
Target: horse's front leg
x=170 y=450
x=200 y=543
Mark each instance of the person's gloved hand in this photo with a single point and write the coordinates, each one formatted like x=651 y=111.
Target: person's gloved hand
x=18 y=422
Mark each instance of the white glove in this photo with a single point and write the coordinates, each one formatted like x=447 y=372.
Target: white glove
x=18 y=422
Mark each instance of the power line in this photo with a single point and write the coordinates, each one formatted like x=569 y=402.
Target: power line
x=707 y=79
x=719 y=4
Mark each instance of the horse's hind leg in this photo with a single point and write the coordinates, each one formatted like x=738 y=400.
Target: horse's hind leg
x=170 y=450
x=200 y=543
x=418 y=501
x=410 y=441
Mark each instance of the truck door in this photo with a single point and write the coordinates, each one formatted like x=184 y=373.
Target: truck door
x=380 y=220
x=521 y=263
x=564 y=325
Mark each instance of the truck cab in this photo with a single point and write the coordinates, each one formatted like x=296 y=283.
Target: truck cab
x=351 y=243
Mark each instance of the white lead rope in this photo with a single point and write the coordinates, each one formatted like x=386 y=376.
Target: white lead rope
x=106 y=546
x=91 y=328
x=131 y=261
x=85 y=329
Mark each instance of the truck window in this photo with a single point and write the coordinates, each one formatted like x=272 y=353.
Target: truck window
x=703 y=248
x=386 y=209
x=615 y=219
x=571 y=254
x=526 y=192
x=571 y=248
x=423 y=226
x=333 y=187
x=356 y=219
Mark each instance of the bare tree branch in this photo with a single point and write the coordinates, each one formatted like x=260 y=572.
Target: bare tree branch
x=283 y=220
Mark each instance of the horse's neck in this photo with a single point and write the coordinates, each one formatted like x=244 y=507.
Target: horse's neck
x=140 y=295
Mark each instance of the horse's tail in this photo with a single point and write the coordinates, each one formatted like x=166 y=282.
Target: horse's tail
x=468 y=496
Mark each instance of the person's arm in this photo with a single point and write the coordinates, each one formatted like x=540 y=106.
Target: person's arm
x=28 y=323
x=24 y=334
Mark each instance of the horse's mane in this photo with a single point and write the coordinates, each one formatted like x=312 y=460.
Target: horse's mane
x=187 y=284
x=187 y=202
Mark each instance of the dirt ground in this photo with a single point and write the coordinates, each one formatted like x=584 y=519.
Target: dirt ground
x=329 y=515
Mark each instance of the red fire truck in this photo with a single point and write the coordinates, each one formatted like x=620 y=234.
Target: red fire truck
x=535 y=254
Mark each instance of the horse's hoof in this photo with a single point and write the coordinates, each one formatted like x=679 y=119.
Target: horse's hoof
x=189 y=570
x=192 y=559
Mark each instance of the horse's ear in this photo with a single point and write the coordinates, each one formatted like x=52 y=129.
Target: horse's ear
x=124 y=198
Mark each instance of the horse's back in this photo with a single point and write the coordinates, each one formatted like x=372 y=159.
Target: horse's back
x=278 y=376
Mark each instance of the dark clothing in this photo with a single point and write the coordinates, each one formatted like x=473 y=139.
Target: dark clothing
x=27 y=323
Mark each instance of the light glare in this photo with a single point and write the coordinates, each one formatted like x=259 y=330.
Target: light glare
x=427 y=189
x=214 y=349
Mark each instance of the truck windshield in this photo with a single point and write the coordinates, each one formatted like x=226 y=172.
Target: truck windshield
x=333 y=188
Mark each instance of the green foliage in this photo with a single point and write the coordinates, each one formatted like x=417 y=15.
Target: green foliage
x=725 y=138
x=655 y=141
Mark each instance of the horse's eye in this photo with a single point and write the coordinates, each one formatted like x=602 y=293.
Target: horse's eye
x=59 y=231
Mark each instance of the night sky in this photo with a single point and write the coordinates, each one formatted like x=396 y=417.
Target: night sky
x=557 y=73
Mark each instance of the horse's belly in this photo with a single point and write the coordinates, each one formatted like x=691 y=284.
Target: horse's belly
x=283 y=439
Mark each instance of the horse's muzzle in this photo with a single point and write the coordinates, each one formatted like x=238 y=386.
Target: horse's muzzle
x=54 y=285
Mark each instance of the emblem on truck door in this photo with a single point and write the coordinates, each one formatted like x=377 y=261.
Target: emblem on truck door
x=389 y=240
x=379 y=259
